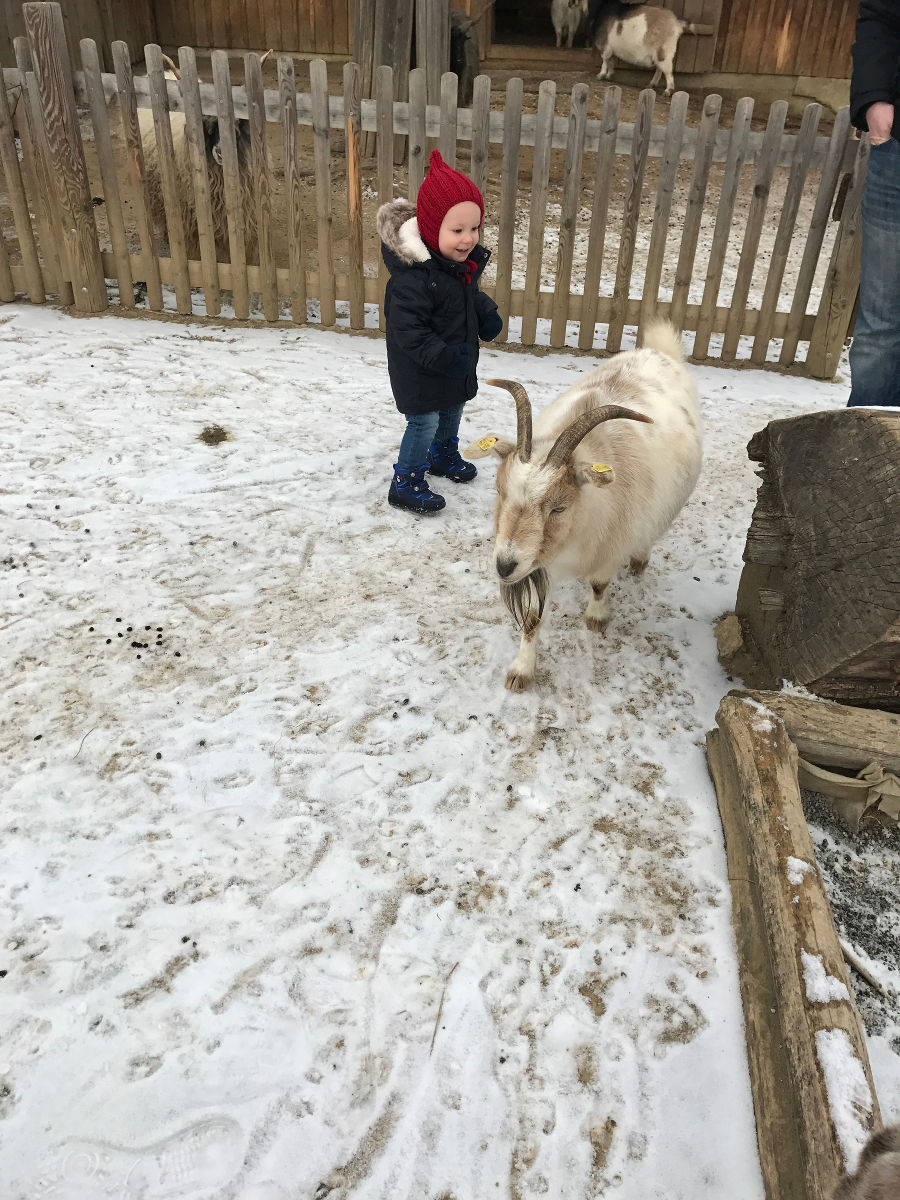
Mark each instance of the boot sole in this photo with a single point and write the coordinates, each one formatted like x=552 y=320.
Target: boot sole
x=444 y=475
x=420 y=512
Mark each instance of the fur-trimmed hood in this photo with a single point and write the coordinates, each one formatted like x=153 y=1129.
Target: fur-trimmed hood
x=399 y=230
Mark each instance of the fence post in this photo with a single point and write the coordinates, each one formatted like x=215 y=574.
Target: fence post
x=53 y=70
x=837 y=305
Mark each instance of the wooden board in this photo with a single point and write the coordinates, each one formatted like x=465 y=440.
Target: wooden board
x=776 y=922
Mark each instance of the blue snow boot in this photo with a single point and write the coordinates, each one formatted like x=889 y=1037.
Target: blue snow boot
x=444 y=458
x=409 y=490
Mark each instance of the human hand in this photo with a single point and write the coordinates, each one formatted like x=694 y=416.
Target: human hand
x=880 y=119
x=461 y=362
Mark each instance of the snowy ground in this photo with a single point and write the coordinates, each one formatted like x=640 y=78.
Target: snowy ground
x=298 y=900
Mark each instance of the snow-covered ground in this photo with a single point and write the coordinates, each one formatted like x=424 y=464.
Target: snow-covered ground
x=298 y=901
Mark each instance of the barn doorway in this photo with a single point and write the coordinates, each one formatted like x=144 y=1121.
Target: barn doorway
x=525 y=23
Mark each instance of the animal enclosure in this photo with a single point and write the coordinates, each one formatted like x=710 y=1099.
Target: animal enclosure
x=596 y=224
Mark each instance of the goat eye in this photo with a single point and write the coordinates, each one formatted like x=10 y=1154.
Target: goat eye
x=560 y=508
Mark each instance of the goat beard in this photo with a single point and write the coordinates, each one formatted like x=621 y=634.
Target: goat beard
x=525 y=599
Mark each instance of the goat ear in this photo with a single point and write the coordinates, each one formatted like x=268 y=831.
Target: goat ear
x=490 y=445
x=598 y=474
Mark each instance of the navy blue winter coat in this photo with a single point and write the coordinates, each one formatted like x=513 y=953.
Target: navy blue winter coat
x=876 y=60
x=433 y=317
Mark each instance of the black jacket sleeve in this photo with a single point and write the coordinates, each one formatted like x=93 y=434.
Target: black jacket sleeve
x=489 y=322
x=412 y=332
x=876 y=59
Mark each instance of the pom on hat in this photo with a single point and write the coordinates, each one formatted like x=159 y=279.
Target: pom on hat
x=441 y=189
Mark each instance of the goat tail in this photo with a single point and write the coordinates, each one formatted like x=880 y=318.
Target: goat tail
x=663 y=336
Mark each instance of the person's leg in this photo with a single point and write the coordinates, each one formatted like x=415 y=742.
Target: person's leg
x=875 y=349
x=408 y=487
x=419 y=433
x=444 y=457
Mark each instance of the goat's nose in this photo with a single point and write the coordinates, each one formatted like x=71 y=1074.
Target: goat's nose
x=505 y=567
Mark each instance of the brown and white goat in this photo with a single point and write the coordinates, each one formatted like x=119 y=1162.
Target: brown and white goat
x=185 y=179
x=640 y=34
x=567 y=17
x=593 y=483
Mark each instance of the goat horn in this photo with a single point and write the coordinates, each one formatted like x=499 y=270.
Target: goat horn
x=523 y=416
x=582 y=426
x=176 y=71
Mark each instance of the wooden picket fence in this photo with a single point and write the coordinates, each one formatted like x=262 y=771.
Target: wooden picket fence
x=60 y=254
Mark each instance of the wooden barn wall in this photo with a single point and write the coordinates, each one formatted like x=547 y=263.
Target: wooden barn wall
x=801 y=37
x=103 y=20
x=289 y=26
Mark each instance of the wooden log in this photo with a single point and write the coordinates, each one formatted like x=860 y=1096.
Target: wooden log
x=234 y=208
x=540 y=176
x=782 y=924
x=819 y=596
x=630 y=217
x=262 y=185
x=354 y=198
x=604 y=167
x=293 y=194
x=668 y=169
x=165 y=151
x=836 y=735
x=318 y=81
x=737 y=151
x=693 y=215
x=193 y=125
x=568 y=216
x=53 y=72
x=509 y=189
x=786 y=231
x=38 y=180
x=140 y=200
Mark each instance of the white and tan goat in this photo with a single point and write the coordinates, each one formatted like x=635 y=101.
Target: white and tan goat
x=185 y=178
x=567 y=17
x=593 y=483
x=640 y=34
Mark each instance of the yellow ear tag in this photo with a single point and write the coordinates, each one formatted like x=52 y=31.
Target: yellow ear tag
x=485 y=443
x=600 y=468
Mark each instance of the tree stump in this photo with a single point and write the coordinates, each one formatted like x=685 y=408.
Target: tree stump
x=819 y=598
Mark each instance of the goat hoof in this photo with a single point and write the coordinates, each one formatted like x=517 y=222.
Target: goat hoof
x=638 y=566
x=597 y=624
x=516 y=682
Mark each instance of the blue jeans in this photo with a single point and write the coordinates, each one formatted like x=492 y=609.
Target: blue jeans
x=875 y=350
x=424 y=428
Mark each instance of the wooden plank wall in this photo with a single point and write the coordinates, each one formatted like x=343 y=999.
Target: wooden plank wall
x=801 y=37
x=285 y=26
x=104 y=21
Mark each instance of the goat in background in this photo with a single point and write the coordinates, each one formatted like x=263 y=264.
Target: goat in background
x=640 y=34
x=595 y=482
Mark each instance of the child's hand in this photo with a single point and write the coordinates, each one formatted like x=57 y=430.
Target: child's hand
x=461 y=363
x=489 y=326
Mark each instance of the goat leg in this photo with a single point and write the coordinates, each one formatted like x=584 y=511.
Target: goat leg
x=520 y=675
x=597 y=614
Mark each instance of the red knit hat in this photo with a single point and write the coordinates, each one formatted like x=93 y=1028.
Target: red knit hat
x=441 y=189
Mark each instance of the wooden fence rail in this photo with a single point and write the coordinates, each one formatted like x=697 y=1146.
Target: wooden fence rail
x=308 y=144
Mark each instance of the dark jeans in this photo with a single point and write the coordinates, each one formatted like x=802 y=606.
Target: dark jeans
x=424 y=428
x=875 y=350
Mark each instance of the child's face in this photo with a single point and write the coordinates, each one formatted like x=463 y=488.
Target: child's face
x=458 y=235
